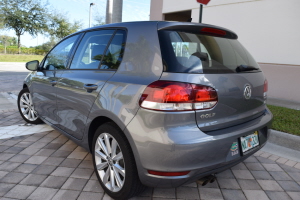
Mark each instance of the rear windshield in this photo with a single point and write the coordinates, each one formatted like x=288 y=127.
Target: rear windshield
x=184 y=52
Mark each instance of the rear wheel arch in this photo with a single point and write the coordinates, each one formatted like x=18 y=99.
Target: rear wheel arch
x=25 y=86
x=100 y=120
x=129 y=186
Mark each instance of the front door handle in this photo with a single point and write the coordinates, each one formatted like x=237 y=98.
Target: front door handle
x=90 y=87
x=53 y=83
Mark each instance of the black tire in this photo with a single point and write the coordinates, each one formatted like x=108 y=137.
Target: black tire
x=132 y=185
x=33 y=119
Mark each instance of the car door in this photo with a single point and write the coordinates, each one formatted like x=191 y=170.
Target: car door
x=43 y=88
x=95 y=61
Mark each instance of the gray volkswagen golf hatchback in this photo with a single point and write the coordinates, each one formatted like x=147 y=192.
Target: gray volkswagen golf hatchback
x=158 y=104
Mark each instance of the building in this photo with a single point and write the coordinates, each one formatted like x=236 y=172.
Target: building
x=269 y=29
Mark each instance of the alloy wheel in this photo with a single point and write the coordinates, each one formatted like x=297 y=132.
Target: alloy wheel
x=109 y=162
x=27 y=107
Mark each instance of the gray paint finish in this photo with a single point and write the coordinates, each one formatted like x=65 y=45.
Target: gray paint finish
x=71 y=93
x=141 y=65
x=44 y=94
x=232 y=107
x=162 y=141
x=163 y=144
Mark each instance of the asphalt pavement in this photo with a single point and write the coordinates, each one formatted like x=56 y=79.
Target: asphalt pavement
x=12 y=76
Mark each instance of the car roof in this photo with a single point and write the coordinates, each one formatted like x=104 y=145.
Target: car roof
x=160 y=25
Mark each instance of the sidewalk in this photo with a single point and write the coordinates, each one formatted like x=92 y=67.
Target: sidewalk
x=44 y=164
x=7 y=102
x=37 y=162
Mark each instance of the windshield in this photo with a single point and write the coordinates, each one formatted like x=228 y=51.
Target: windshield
x=184 y=52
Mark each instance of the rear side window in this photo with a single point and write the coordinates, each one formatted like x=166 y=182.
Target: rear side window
x=114 y=53
x=91 y=49
x=184 y=52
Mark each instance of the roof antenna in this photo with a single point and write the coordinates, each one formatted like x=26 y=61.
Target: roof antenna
x=189 y=20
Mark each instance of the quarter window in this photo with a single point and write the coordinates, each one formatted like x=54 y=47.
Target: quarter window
x=58 y=57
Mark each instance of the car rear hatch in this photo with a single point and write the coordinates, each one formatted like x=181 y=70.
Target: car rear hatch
x=211 y=56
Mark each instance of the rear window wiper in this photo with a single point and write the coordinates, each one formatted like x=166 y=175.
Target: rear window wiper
x=244 y=68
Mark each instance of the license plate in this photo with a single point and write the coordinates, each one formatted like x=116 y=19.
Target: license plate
x=249 y=142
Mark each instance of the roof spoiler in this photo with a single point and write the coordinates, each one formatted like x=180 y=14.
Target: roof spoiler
x=204 y=29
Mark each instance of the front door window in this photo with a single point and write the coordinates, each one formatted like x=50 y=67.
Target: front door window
x=58 y=57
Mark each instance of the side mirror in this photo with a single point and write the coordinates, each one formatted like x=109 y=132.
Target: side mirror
x=32 y=65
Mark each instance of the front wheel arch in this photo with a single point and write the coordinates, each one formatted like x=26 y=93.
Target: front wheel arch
x=25 y=104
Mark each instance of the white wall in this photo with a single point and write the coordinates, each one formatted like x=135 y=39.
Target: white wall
x=177 y=5
x=269 y=29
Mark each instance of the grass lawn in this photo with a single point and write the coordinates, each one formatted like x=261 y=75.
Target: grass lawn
x=286 y=120
x=19 y=58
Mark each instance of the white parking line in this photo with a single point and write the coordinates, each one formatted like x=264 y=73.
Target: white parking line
x=15 y=97
x=19 y=130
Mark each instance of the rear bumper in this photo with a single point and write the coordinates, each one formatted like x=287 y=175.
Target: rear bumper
x=183 y=146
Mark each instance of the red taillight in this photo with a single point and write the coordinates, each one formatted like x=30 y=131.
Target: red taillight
x=204 y=93
x=168 y=173
x=175 y=96
x=168 y=92
x=213 y=31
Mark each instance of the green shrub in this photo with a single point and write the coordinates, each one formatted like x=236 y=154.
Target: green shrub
x=24 y=50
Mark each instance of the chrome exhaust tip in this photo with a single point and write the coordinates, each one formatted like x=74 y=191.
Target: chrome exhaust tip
x=205 y=180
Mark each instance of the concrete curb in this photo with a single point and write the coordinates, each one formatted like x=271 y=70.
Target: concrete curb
x=285 y=139
x=283 y=103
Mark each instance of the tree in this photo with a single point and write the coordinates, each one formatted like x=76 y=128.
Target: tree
x=13 y=41
x=23 y=16
x=6 y=41
x=60 y=27
x=99 y=20
x=47 y=46
x=1 y=24
x=1 y=21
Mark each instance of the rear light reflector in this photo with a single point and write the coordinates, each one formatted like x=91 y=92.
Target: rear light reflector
x=265 y=90
x=266 y=86
x=177 y=96
x=168 y=173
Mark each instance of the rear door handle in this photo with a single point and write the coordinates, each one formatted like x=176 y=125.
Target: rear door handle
x=90 y=87
x=53 y=83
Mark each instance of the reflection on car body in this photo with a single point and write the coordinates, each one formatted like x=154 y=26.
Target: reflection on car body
x=158 y=104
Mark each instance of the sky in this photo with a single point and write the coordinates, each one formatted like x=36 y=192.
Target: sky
x=133 y=10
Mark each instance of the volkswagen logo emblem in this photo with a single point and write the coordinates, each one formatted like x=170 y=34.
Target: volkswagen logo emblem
x=247 y=92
